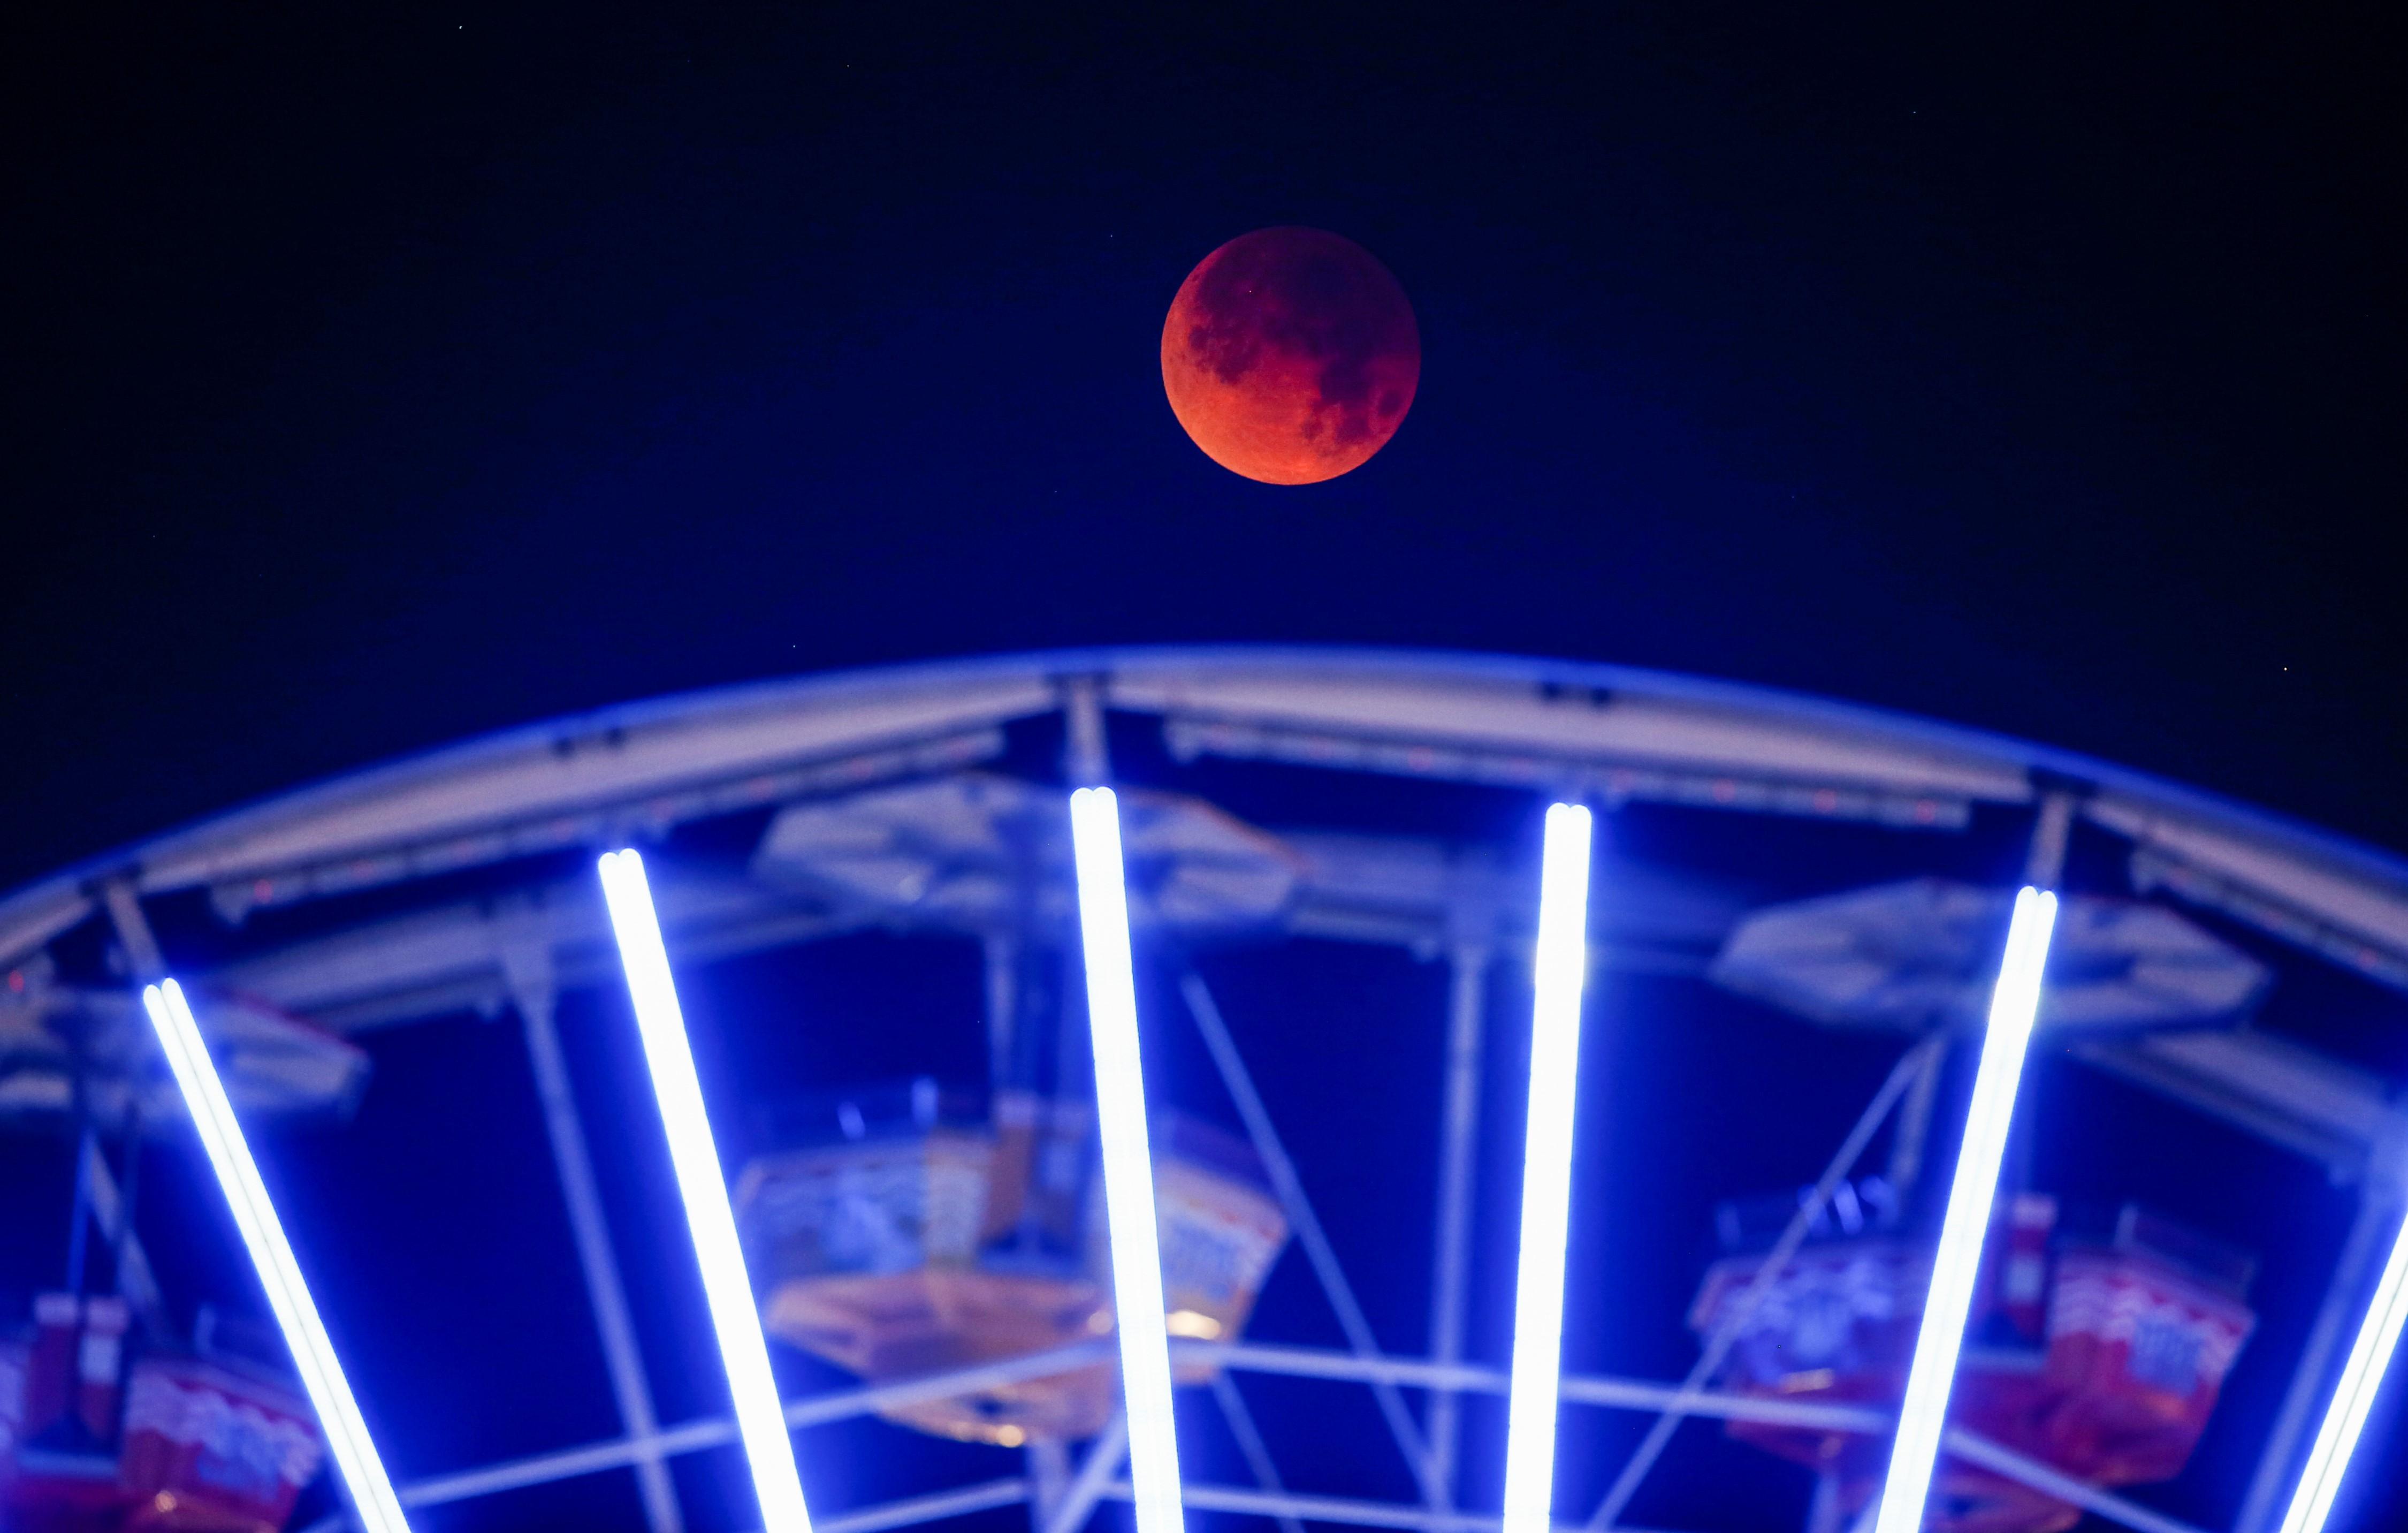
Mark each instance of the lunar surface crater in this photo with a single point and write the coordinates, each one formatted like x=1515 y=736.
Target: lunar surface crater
x=1290 y=355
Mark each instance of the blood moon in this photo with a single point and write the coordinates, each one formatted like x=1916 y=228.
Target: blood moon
x=1290 y=355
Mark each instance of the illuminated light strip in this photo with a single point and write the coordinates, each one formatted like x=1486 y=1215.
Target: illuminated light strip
x=2354 y=1397
x=1128 y=1165
x=760 y=1418
x=1922 y=1418
x=1559 y=968
x=262 y=1235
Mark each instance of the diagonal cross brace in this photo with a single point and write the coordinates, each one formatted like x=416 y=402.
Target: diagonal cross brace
x=1308 y=1227
x=1256 y=1453
x=1915 y=1064
x=1104 y=1456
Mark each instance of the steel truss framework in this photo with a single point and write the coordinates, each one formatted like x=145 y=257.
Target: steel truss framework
x=1609 y=734
x=1603 y=1392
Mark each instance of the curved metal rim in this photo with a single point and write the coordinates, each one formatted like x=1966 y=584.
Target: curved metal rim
x=48 y=904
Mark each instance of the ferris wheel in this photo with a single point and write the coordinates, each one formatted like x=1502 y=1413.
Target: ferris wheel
x=1317 y=1087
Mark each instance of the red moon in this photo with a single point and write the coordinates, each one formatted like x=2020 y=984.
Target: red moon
x=1290 y=355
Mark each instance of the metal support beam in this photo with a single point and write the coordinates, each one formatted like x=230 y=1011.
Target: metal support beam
x=718 y=1431
x=1251 y=1446
x=136 y=1281
x=1086 y=753
x=1613 y=1394
x=1002 y=954
x=1999 y=1459
x=2051 y=831
x=2362 y=1258
x=1104 y=1458
x=1915 y=1062
x=1294 y=1363
x=526 y=966
x=1915 y=1124
x=1637 y=1395
x=143 y=959
x=2286 y=1093
x=931 y=1508
x=908 y=1511
x=1458 y=1156
x=1308 y=1233
x=1332 y=1509
x=1049 y=1477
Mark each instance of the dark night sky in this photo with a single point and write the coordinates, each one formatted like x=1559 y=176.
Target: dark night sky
x=379 y=380
x=382 y=380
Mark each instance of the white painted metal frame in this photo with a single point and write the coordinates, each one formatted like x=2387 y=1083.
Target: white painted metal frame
x=2362 y=1250
x=1251 y=1446
x=1912 y=1066
x=1594 y=1391
x=527 y=966
x=1307 y=1226
x=1458 y=1161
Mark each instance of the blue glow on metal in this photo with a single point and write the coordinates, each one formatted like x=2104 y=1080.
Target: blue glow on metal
x=1129 y=1164
x=2014 y=1005
x=1559 y=969
x=2378 y=1337
x=760 y=1417
x=262 y=1235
